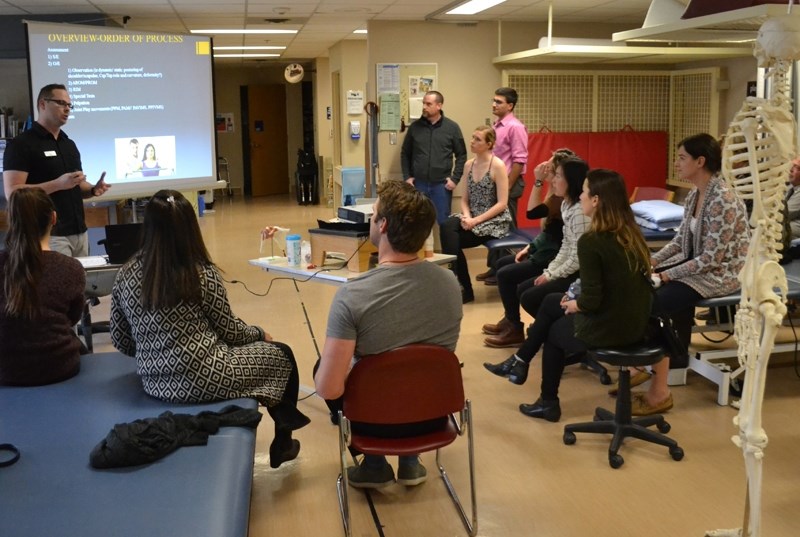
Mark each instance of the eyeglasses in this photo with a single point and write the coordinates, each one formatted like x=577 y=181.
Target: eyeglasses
x=62 y=104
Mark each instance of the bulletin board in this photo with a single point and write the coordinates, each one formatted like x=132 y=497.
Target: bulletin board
x=409 y=81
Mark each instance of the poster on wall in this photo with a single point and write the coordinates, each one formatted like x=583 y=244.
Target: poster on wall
x=418 y=86
x=224 y=123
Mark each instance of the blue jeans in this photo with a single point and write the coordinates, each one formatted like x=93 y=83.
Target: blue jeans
x=441 y=197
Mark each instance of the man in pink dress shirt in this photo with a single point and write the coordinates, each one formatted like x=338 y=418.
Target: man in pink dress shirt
x=512 y=148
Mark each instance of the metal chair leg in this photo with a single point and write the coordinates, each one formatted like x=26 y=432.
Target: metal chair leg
x=471 y=527
x=341 y=482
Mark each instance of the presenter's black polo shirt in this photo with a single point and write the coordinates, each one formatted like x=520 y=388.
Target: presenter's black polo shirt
x=45 y=158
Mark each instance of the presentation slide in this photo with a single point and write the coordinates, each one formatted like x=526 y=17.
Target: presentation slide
x=143 y=103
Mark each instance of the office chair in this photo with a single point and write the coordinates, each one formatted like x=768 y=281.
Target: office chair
x=620 y=423
x=406 y=385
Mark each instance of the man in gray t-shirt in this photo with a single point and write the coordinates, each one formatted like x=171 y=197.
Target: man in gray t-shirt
x=404 y=300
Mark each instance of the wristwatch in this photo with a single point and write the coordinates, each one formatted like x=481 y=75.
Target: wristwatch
x=538 y=182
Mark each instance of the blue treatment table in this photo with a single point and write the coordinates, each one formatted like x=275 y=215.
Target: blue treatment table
x=195 y=491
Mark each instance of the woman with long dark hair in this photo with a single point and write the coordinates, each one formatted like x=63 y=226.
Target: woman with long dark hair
x=170 y=310
x=41 y=297
x=614 y=304
x=704 y=258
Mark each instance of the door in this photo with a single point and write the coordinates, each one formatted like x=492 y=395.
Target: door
x=268 y=139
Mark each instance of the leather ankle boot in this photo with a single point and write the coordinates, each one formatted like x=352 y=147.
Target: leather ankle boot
x=495 y=329
x=546 y=410
x=512 y=337
x=503 y=368
x=519 y=372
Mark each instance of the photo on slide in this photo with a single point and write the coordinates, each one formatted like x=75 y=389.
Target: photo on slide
x=141 y=158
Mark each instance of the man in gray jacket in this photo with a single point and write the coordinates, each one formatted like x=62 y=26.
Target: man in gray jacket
x=433 y=155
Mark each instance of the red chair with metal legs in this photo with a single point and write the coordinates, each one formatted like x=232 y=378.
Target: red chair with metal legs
x=406 y=385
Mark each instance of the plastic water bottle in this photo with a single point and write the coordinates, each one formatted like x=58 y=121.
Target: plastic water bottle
x=574 y=290
x=293 y=256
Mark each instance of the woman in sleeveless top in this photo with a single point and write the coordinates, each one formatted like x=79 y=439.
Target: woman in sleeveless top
x=484 y=209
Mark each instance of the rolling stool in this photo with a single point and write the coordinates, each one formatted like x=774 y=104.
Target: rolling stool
x=620 y=423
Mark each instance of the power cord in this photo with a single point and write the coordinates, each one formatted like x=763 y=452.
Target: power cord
x=296 y=281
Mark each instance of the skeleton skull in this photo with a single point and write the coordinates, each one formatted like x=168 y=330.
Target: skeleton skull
x=778 y=38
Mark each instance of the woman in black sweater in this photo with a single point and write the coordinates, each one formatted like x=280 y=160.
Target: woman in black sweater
x=41 y=297
x=614 y=303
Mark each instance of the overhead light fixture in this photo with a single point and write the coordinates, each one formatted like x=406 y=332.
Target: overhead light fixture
x=264 y=55
x=252 y=47
x=359 y=31
x=229 y=31
x=474 y=6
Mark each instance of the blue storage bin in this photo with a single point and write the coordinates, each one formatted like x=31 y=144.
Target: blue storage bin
x=353 y=184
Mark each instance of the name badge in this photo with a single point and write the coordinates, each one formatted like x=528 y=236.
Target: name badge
x=50 y=154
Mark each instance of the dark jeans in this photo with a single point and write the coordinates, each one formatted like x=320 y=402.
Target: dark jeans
x=676 y=300
x=511 y=277
x=454 y=239
x=439 y=195
x=532 y=296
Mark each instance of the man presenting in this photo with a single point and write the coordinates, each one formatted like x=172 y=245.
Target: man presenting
x=431 y=145
x=45 y=157
x=404 y=300
x=512 y=148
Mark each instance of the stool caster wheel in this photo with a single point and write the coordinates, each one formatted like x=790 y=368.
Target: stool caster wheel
x=676 y=452
x=615 y=461
x=663 y=427
x=569 y=438
x=605 y=379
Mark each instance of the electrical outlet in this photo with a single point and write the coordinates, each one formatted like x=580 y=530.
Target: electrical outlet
x=392 y=138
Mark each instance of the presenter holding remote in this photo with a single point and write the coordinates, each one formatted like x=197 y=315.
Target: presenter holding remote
x=45 y=157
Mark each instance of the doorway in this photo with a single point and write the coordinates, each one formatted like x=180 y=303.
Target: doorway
x=265 y=140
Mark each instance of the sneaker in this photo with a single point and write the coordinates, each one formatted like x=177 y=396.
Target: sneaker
x=411 y=474
x=362 y=477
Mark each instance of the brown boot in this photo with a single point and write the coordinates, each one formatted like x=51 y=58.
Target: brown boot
x=483 y=275
x=497 y=329
x=508 y=338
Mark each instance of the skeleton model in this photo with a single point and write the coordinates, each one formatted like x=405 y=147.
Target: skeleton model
x=758 y=147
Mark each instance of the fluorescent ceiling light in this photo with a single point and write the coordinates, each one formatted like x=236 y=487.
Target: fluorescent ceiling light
x=266 y=55
x=364 y=31
x=252 y=47
x=474 y=6
x=229 y=31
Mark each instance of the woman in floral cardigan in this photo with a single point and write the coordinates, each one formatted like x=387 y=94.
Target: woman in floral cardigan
x=704 y=258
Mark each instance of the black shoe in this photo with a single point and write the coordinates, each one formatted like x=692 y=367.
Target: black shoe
x=503 y=369
x=278 y=453
x=514 y=370
x=548 y=410
x=467 y=296
x=519 y=373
